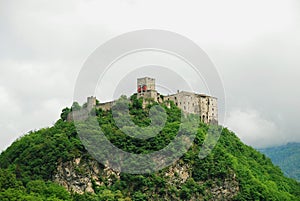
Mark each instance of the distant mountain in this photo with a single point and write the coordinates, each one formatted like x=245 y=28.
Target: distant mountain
x=287 y=157
x=52 y=164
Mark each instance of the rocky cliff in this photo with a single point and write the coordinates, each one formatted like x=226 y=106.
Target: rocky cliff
x=85 y=175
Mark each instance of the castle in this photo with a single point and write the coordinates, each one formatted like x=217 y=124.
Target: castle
x=204 y=105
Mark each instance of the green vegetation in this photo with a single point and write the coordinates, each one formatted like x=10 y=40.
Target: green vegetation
x=12 y=189
x=287 y=157
x=29 y=164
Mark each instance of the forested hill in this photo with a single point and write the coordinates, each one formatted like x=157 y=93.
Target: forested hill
x=52 y=164
x=287 y=157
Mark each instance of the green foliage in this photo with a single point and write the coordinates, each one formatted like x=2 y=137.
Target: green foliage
x=8 y=180
x=28 y=165
x=12 y=189
x=64 y=114
x=75 y=106
x=36 y=155
x=141 y=118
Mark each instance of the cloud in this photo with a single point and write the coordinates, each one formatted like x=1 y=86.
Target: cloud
x=32 y=95
x=8 y=110
x=253 y=129
x=254 y=44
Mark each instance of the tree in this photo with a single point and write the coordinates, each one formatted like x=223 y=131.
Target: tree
x=76 y=106
x=64 y=114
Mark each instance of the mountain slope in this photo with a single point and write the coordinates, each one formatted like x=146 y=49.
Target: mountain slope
x=232 y=171
x=287 y=157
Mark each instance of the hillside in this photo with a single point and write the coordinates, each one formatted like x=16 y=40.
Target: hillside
x=52 y=164
x=287 y=157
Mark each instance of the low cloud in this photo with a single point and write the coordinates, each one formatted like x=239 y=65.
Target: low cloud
x=253 y=129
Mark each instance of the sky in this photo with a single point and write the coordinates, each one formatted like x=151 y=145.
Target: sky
x=254 y=45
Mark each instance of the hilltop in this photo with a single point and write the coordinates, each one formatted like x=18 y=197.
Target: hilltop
x=53 y=164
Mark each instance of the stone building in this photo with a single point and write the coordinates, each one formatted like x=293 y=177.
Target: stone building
x=189 y=102
x=204 y=105
x=146 y=89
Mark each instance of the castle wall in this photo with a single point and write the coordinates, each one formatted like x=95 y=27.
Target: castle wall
x=208 y=109
x=213 y=110
x=205 y=106
x=79 y=115
x=105 y=106
x=186 y=101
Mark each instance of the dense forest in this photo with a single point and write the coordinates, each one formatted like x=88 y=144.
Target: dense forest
x=287 y=157
x=28 y=166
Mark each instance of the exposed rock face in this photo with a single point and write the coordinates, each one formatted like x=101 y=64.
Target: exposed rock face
x=225 y=190
x=178 y=174
x=80 y=175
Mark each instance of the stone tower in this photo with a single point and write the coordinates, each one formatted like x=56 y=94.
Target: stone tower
x=146 y=89
x=145 y=84
x=91 y=102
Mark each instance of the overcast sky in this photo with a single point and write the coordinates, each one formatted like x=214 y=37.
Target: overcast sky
x=254 y=44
